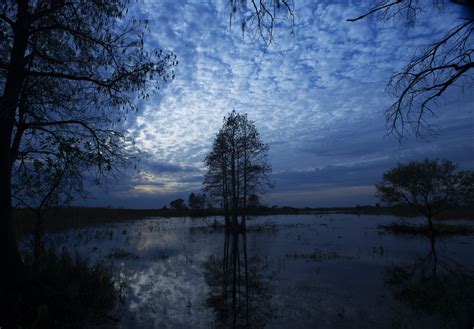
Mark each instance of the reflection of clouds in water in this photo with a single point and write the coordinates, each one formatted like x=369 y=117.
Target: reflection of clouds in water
x=166 y=293
x=324 y=271
x=167 y=287
x=149 y=241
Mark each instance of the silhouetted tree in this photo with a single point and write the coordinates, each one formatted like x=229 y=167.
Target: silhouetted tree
x=434 y=69
x=237 y=166
x=40 y=186
x=196 y=201
x=253 y=201
x=431 y=187
x=192 y=201
x=68 y=71
x=260 y=16
x=178 y=204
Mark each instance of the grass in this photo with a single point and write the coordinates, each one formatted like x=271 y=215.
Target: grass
x=439 y=228
x=122 y=254
x=64 y=218
x=65 y=292
x=319 y=255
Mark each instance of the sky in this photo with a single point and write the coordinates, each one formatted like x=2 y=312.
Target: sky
x=317 y=96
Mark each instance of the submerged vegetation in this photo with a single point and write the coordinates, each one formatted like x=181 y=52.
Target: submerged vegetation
x=438 y=228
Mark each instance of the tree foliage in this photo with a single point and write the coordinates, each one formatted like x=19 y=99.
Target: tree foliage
x=178 y=204
x=69 y=71
x=431 y=186
x=237 y=165
x=197 y=201
x=253 y=201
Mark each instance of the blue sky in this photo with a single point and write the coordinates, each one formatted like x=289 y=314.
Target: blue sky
x=317 y=97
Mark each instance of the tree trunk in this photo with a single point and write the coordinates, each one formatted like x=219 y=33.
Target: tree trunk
x=431 y=227
x=247 y=294
x=234 y=186
x=13 y=274
x=235 y=247
x=432 y=240
x=38 y=239
x=244 y=204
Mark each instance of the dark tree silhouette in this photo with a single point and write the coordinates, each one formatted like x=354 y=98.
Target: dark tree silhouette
x=418 y=88
x=196 y=201
x=178 y=204
x=260 y=17
x=431 y=187
x=192 y=201
x=68 y=71
x=40 y=186
x=253 y=201
x=433 y=70
x=237 y=166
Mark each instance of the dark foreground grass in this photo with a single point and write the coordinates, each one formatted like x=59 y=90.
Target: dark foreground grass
x=65 y=292
x=440 y=229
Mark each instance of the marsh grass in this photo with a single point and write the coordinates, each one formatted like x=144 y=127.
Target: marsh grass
x=66 y=292
x=440 y=229
x=64 y=218
x=319 y=255
x=122 y=254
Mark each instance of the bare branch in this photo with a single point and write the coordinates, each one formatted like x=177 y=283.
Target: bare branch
x=379 y=7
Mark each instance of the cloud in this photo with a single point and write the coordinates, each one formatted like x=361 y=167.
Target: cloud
x=317 y=97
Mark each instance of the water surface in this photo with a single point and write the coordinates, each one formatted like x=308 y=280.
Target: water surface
x=292 y=271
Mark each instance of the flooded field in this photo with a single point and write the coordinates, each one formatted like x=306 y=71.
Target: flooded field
x=304 y=271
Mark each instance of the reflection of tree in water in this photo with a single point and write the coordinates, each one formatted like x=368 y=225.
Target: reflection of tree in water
x=238 y=294
x=436 y=286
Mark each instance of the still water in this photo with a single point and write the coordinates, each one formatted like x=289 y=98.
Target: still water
x=292 y=271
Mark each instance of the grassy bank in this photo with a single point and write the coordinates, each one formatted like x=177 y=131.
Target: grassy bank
x=64 y=291
x=76 y=217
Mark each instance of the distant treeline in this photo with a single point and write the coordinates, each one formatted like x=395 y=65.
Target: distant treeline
x=63 y=218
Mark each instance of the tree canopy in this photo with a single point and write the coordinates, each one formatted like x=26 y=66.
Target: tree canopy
x=237 y=166
x=69 y=71
x=178 y=204
x=431 y=187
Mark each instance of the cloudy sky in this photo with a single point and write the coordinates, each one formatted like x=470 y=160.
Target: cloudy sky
x=317 y=96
